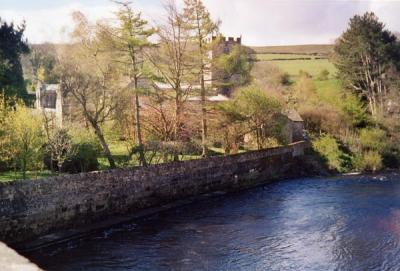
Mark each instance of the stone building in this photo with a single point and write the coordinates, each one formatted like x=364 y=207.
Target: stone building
x=296 y=126
x=50 y=100
x=217 y=78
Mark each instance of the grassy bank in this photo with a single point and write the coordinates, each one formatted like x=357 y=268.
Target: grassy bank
x=16 y=175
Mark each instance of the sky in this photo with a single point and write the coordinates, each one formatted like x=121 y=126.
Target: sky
x=259 y=22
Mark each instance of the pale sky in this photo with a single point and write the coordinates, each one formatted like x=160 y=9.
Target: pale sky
x=260 y=22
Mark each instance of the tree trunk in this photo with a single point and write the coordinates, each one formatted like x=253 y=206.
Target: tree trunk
x=177 y=123
x=139 y=140
x=104 y=144
x=203 y=116
x=24 y=168
x=59 y=165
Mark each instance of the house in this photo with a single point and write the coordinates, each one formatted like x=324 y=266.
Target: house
x=50 y=101
x=296 y=125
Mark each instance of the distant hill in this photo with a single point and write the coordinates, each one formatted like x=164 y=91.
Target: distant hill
x=309 y=49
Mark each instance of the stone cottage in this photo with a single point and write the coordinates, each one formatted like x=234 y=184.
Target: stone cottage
x=296 y=124
x=50 y=101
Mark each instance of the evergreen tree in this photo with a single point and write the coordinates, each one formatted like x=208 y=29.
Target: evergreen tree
x=12 y=46
x=200 y=22
x=128 y=40
x=363 y=55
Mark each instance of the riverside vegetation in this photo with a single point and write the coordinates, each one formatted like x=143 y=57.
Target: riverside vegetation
x=348 y=95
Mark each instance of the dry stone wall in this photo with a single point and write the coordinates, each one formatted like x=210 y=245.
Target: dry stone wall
x=32 y=208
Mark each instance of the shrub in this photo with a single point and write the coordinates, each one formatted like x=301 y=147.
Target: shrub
x=373 y=139
x=86 y=151
x=285 y=79
x=304 y=74
x=355 y=111
x=370 y=161
x=84 y=158
x=329 y=149
x=59 y=149
x=323 y=75
x=325 y=119
x=391 y=157
x=305 y=91
x=21 y=138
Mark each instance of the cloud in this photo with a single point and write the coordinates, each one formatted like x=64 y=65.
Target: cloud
x=54 y=24
x=260 y=22
x=280 y=22
x=51 y=24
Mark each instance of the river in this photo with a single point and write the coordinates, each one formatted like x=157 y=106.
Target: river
x=341 y=223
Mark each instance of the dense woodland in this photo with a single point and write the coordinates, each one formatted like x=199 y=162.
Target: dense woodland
x=118 y=115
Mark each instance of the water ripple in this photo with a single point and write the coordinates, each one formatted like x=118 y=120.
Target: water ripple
x=343 y=223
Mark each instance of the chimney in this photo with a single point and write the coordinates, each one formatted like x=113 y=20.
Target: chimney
x=231 y=39
x=239 y=40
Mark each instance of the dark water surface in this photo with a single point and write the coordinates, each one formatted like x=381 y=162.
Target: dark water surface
x=344 y=223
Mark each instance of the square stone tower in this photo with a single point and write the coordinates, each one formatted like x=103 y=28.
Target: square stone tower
x=219 y=79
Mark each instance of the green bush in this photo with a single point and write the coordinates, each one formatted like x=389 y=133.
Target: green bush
x=373 y=139
x=285 y=79
x=86 y=151
x=323 y=75
x=21 y=138
x=391 y=157
x=370 y=161
x=355 y=111
x=329 y=149
x=84 y=159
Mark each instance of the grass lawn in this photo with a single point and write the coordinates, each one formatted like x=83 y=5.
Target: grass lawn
x=119 y=149
x=11 y=175
x=120 y=153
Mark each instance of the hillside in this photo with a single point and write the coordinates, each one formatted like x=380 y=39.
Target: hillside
x=309 y=49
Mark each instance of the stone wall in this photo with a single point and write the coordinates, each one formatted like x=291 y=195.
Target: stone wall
x=32 y=208
x=12 y=261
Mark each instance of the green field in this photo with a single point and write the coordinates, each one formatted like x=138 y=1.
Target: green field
x=269 y=57
x=288 y=58
x=328 y=91
x=316 y=49
x=313 y=67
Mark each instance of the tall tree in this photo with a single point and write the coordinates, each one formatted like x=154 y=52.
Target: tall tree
x=90 y=77
x=173 y=62
x=43 y=61
x=199 y=21
x=251 y=112
x=364 y=54
x=128 y=40
x=22 y=137
x=12 y=46
x=233 y=69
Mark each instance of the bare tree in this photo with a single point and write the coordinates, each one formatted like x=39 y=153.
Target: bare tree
x=89 y=76
x=59 y=143
x=174 y=63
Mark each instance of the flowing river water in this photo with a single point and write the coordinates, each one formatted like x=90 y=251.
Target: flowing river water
x=342 y=223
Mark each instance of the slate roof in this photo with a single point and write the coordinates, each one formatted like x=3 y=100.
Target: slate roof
x=293 y=115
